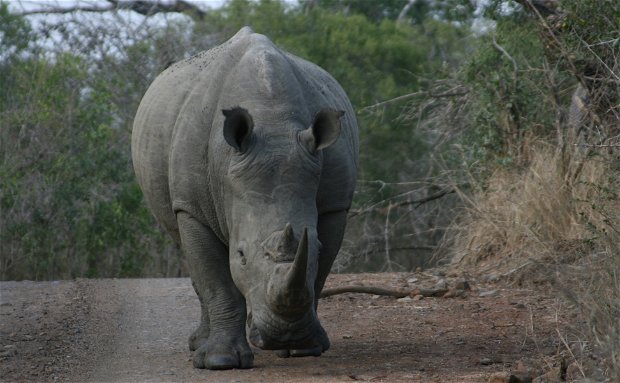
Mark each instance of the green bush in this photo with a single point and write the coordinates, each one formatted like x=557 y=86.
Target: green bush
x=69 y=202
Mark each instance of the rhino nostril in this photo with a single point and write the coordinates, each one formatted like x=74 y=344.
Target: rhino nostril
x=242 y=256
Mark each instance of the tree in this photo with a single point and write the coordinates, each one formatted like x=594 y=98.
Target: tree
x=15 y=33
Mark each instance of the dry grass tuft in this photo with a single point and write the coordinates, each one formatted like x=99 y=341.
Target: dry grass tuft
x=555 y=222
x=543 y=214
x=592 y=285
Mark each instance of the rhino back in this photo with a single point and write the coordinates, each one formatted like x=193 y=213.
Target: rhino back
x=178 y=102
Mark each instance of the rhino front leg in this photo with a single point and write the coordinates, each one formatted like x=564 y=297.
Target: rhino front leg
x=331 y=231
x=201 y=334
x=224 y=312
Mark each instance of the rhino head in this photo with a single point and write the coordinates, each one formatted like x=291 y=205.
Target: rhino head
x=273 y=243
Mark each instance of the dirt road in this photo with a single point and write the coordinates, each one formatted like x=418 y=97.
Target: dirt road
x=135 y=330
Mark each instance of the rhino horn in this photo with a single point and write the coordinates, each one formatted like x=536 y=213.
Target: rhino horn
x=289 y=292
x=296 y=277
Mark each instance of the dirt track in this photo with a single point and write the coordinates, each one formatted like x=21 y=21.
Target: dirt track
x=136 y=330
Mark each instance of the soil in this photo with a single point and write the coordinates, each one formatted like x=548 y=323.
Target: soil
x=121 y=330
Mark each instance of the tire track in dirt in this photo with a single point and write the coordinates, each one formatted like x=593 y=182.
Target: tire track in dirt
x=138 y=329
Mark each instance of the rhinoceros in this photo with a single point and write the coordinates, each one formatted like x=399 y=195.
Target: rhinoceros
x=247 y=156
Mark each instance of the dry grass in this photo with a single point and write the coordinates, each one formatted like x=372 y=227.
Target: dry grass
x=541 y=214
x=593 y=286
x=556 y=222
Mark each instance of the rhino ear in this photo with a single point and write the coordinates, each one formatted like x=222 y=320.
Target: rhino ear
x=238 y=127
x=324 y=131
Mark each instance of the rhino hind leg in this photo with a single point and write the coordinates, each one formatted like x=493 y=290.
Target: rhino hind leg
x=223 y=306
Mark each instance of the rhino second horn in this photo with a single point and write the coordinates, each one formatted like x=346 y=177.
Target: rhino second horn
x=286 y=244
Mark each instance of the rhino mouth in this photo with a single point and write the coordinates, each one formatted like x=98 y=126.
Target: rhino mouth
x=280 y=334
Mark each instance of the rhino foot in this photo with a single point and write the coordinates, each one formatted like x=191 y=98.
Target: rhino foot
x=313 y=351
x=218 y=353
x=198 y=337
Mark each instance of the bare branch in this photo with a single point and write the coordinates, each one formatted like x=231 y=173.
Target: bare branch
x=588 y=47
x=418 y=202
x=386 y=238
x=515 y=68
x=531 y=5
x=146 y=8
x=597 y=145
x=61 y=10
x=450 y=93
x=401 y=248
x=399 y=98
x=422 y=201
x=405 y=10
x=544 y=7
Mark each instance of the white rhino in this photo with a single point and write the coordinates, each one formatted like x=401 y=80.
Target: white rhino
x=247 y=155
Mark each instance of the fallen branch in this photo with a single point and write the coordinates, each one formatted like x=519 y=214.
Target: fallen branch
x=381 y=291
x=401 y=248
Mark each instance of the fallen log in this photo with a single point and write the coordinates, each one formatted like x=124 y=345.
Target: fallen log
x=397 y=293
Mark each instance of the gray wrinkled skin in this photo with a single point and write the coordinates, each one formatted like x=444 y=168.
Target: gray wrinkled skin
x=248 y=156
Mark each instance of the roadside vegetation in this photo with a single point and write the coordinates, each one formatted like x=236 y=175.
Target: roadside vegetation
x=542 y=167
x=490 y=141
